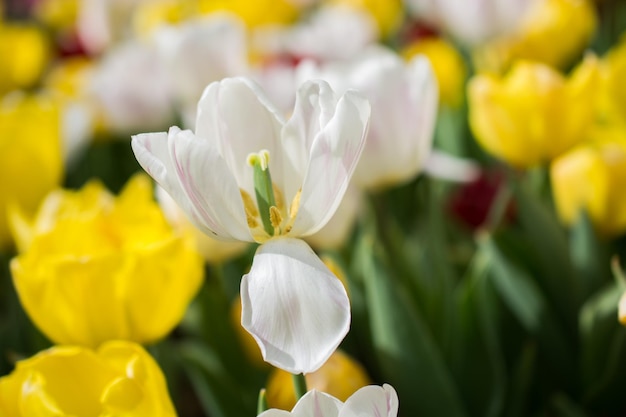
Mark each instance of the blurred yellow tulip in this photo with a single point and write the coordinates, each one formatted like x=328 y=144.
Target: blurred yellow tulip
x=119 y=379
x=448 y=65
x=25 y=53
x=30 y=154
x=150 y=15
x=254 y=13
x=554 y=32
x=341 y=376
x=94 y=267
x=614 y=74
x=388 y=14
x=57 y=14
x=591 y=177
x=533 y=114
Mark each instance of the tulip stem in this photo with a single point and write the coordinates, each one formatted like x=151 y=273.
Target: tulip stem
x=262 y=402
x=499 y=206
x=299 y=385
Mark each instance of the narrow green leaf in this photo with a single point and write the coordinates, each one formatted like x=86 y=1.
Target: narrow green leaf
x=527 y=302
x=549 y=251
x=220 y=394
x=589 y=257
x=406 y=353
x=520 y=293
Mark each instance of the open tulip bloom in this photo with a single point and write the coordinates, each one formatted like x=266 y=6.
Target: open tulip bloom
x=246 y=174
x=370 y=401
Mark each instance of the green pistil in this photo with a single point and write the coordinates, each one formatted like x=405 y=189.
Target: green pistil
x=263 y=187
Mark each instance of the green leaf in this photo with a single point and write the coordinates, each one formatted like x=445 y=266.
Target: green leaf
x=527 y=302
x=219 y=393
x=603 y=348
x=519 y=292
x=589 y=257
x=477 y=358
x=406 y=353
x=549 y=251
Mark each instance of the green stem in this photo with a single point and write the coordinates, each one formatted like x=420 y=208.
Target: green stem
x=499 y=206
x=299 y=385
x=262 y=402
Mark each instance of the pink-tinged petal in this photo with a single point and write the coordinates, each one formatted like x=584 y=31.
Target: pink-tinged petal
x=314 y=108
x=448 y=167
x=153 y=153
x=372 y=401
x=333 y=158
x=294 y=307
x=236 y=115
x=209 y=185
x=404 y=109
x=274 y=412
x=317 y=404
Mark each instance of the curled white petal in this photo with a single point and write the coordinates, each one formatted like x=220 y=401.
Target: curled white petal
x=317 y=404
x=197 y=178
x=236 y=115
x=372 y=401
x=294 y=307
x=312 y=404
x=333 y=157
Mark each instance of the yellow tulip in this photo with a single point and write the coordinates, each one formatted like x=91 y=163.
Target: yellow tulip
x=119 y=379
x=553 y=32
x=448 y=65
x=533 y=114
x=25 y=53
x=148 y=16
x=591 y=177
x=94 y=267
x=256 y=13
x=58 y=14
x=614 y=74
x=30 y=154
x=388 y=14
x=341 y=376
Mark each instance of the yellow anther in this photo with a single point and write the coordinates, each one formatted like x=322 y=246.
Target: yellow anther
x=275 y=217
x=248 y=204
x=252 y=223
x=279 y=199
x=295 y=204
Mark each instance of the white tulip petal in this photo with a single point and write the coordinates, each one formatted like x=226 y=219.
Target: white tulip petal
x=274 y=412
x=151 y=151
x=237 y=115
x=294 y=307
x=153 y=154
x=332 y=161
x=372 y=401
x=314 y=108
x=317 y=404
x=209 y=185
